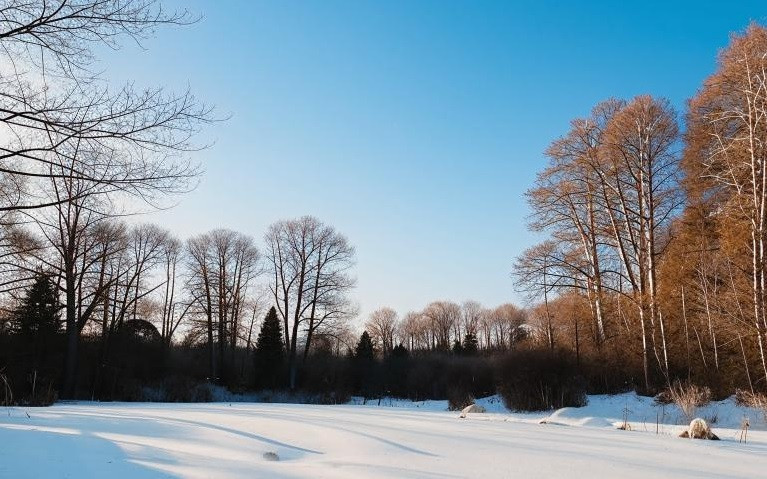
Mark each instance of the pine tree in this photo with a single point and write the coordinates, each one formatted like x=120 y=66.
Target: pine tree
x=270 y=353
x=364 y=349
x=457 y=348
x=399 y=351
x=470 y=345
x=35 y=322
x=37 y=316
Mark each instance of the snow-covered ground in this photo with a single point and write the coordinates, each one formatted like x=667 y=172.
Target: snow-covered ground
x=392 y=439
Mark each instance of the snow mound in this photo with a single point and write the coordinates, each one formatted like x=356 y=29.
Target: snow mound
x=472 y=409
x=643 y=413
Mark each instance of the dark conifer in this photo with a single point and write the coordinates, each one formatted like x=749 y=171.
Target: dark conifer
x=470 y=345
x=37 y=316
x=270 y=353
x=365 y=348
x=399 y=351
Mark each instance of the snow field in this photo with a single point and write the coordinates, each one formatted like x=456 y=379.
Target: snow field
x=395 y=439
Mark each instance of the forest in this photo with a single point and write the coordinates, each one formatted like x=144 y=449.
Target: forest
x=651 y=272
x=655 y=227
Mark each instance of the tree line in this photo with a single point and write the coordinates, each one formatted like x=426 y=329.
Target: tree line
x=446 y=325
x=207 y=292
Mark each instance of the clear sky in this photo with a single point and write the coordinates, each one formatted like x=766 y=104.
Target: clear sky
x=413 y=127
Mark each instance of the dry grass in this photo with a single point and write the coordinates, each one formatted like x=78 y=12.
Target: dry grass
x=7 y=393
x=689 y=397
x=753 y=400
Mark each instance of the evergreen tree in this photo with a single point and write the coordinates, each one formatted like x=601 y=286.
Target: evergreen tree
x=365 y=370
x=35 y=323
x=270 y=353
x=457 y=347
x=37 y=316
x=470 y=345
x=364 y=349
x=399 y=351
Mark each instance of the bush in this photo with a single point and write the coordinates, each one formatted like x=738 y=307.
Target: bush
x=41 y=391
x=458 y=398
x=611 y=371
x=538 y=380
x=757 y=401
x=184 y=389
x=688 y=397
x=465 y=379
x=327 y=377
x=423 y=380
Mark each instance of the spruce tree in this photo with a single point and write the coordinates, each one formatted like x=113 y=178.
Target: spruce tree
x=35 y=322
x=365 y=370
x=37 y=316
x=364 y=349
x=399 y=351
x=470 y=345
x=270 y=353
x=457 y=347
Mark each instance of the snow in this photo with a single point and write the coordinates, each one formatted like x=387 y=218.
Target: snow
x=394 y=439
x=491 y=404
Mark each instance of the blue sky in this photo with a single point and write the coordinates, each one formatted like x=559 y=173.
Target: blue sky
x=413 y=127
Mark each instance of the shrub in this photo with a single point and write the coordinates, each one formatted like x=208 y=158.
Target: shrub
x=688 y=397
x=465 y=379
x=183 y=389
x=537 y=380
x=611 y=371
x=41 y=391
x=424 y=378
x=458 y=398
x=328 y=377
x=757 y=401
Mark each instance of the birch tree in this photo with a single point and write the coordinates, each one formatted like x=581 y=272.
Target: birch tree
x=641 y=194
x=727 y=151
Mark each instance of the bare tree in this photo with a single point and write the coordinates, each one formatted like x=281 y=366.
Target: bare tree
x=442 y=316
x=223 y=265
x=200 y=286
x=471 y=315
x=55 y=112
x=173 y=310
x=566 y=202
x=72 y=144
x=382 y=325
x=329 y=283
x=77 y=247
x=309 y=264
x=506 y=321
x=607 y=198
x=410 y=330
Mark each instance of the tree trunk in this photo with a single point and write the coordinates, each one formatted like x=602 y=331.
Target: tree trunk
x=73 y=337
